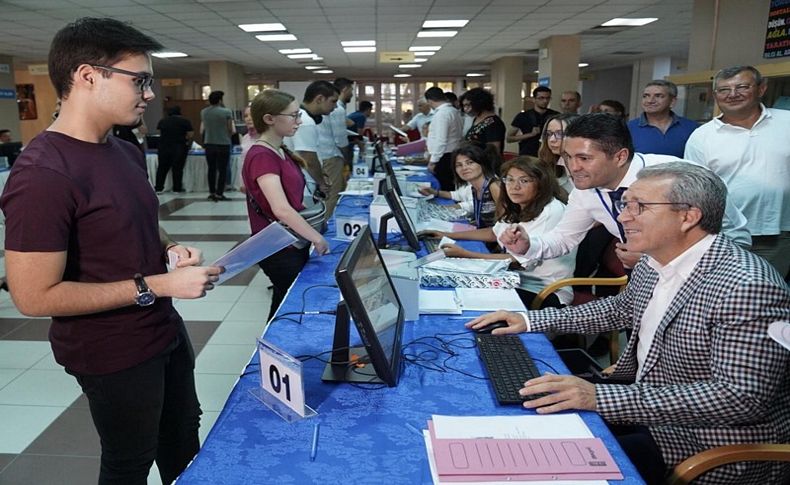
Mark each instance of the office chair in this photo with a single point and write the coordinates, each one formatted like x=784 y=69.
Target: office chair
x=702 y=462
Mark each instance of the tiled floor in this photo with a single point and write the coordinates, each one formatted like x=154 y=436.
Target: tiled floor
x=46 y=433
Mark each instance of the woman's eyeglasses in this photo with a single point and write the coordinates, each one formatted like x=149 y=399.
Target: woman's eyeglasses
x=142 y=80
x=296 y=116
x=559 y=134
x=522 y=181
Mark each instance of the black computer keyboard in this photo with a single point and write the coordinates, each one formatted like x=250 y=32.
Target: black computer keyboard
x=431 y=244
x=508 y=365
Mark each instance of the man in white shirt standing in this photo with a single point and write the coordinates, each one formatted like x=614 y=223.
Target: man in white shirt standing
x=747 y=146
x=443 y=137
x=422 y=117
x=599 y=154
x=331 y=133
x=705 y=372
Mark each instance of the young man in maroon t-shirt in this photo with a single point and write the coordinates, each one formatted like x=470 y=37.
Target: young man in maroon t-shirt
x=83 y=245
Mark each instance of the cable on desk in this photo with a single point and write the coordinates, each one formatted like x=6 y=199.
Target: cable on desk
x=304 y=302
x=427 y=358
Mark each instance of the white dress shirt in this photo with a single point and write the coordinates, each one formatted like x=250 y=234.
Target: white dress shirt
x=418 y=121
x=585 y=208
x=548 y=271
x=339 y=129
x=755 y=165
x=445 y=133
x=671 y=278
x=306 y=137
x=465 y=198
x=327 y=143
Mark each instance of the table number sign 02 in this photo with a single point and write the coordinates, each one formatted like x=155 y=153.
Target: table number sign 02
x=348 y=227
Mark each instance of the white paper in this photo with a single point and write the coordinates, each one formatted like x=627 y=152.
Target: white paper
x=439 y=302
x=356 y=192
x=537 y=427
x=398 y=131
x=172 y=259
x=414 y=168
x=489 y=299
x=446 y=240
x=436 y=225
x=780 y=331
x=271 y=239
x=470 y=266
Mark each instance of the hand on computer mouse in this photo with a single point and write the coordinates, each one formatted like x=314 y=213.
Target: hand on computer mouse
x=515 y=322
x=491 y=327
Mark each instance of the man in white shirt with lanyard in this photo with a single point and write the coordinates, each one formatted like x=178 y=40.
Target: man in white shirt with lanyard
x=599 y=154
x=747 y=147
x=443 y=137
x=699 y=370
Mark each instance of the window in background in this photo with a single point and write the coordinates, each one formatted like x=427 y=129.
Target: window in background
x=205 y=90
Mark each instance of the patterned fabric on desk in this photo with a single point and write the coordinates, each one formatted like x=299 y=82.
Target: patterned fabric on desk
x=363 y=435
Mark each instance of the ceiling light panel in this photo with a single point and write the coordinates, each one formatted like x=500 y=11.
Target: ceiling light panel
x=274 y=27
x=358 y=43
x=275 y=37
x=424 y=48
x=433 y=24
x=295 y=51
x=624 y=22
x=359 y=49
x=437 y=33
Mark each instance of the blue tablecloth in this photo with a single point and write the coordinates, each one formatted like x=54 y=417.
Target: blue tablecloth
x=364 y=437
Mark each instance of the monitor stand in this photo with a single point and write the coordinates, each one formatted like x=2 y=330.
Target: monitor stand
x=382 y=241
x=344 y=371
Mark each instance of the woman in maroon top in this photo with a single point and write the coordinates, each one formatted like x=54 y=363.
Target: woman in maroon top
x=274 y=180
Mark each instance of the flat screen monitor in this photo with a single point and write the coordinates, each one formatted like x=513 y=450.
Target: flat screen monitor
x=398 y=211
x=370 y=300
x=10 y=150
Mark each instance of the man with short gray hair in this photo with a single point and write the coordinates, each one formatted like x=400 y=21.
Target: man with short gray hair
x=747 y=146
x=699 y=370
x=659 y=130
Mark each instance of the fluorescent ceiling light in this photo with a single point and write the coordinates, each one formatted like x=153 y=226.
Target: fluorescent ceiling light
x=359 y=49
x=409 y=66
x=474 y=74
x=302 y=56
x=437 y=33
x=537 y=72
x=424 y=53
x=324 y=71
x=312 y=68
x=357 y=43
x=425 y=48
x=401 y=75
x=583 y=64
x=620 y=22
x=432 y=24
x=295 y=51
x=276 y=27
x=275 y=37
x=420 y=59
x=169 y=55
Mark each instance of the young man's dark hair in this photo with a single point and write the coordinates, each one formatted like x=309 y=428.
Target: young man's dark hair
x=610 y=133
x=216 y=97
x=451 y=97
x=175 y=110
x=365 y=105
x=342 y=83
x=3 y=132
x=94 y=41
x=435 y=94
x=540 y=89
x=319 y=88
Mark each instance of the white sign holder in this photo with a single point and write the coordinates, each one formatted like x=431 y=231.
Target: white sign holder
x=347 y=227
x=281 y=387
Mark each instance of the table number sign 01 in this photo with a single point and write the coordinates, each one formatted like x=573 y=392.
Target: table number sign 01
x=282 y=387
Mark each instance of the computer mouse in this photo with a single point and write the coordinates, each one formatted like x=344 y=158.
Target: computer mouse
x=491 y=326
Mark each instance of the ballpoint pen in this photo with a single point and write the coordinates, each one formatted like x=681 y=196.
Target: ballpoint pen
x=314 y=446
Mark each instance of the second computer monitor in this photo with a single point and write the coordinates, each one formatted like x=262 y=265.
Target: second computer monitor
x=400 y=214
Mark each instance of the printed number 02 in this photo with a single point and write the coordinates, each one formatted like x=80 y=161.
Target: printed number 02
x=276 y=382
x=351 y=230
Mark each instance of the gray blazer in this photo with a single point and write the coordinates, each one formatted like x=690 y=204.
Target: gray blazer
x=712 y=375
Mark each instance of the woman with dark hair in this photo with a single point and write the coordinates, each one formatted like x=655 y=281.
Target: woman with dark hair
x=478 y=186
x=273 y=177
x=487 y=127
x=530 y=199
x=550 y=151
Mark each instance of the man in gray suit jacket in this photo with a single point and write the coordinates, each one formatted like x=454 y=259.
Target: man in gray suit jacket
x=706 y=373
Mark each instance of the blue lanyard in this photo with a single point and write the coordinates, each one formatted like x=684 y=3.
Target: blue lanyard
x=611 y=212
x=478 y=203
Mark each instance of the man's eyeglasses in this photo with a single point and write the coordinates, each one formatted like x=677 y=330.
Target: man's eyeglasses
x=142 y=80
x=517 y=181
x=296 y=116
x=559 y=134
x=739 y=89
x=635 y=207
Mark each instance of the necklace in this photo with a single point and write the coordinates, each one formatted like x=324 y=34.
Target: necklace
x=276 y=149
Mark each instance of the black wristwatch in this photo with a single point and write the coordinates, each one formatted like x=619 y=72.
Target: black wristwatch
x=145 y=296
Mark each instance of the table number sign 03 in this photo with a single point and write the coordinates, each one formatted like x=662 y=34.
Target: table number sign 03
x=348 y=227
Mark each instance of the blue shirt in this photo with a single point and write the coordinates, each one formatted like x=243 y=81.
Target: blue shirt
x=649 y=139
x=359 y=120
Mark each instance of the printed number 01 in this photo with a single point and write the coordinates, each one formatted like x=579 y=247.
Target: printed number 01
x=351 y=230
x=275 y=381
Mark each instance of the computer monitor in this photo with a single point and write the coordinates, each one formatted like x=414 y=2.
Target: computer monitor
x=10 y=150
x=369 y=298
x=398 y=211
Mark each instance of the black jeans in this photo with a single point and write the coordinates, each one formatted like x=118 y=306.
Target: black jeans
x=145 y=413
x=218 y=158
x=282 y=268
x=443 y=171
x=175 y=157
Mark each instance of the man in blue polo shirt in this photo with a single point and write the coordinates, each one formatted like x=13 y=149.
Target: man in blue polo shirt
x=659 y=130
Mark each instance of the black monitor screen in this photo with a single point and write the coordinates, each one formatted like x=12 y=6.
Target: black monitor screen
x=399 y=212
x=10 y=150
x=374 y=306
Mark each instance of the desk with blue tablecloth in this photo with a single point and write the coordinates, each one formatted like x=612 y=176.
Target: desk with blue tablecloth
x=365 y=434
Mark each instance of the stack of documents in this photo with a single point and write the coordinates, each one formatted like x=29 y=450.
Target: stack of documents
x=557 y=449
x=469 y=299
